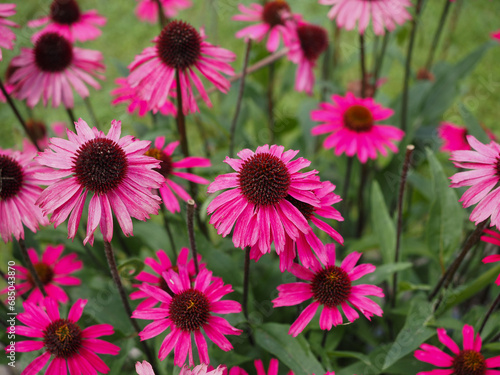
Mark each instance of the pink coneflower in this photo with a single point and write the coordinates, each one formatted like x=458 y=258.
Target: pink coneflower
x=63 y=340
x=18 y=192
x=496 y=35
x=7 y=36
x=189 y=311
x=332 y=288
x=52 y=69
x=482 y=178
x=271 y=19
x=495 y=240
x=145 y=368
x=157 y=280
x=147 y=10
x=259 y=367
x=306 y=46
x=113 y=171
x=179 y=48
x=68 y=20
x=168 y=168
x=52 y=270
x=257 y=204
x=351 y=121
x=126 y=94
x=454 y=137
x=468 y=361
x=385 y=14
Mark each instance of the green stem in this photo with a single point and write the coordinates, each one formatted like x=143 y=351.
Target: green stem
x=437 y=35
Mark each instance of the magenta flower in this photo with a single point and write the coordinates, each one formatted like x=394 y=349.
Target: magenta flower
x=168 y=168
x=271 y=20
x=466 y=361
x=482 y=178
x=145 y=368
x=164 y=265
x=126 y=94
x=384 y=14
x=259 y=367
x=454 y=137
x=52 y=69
x=189 y=311
x=68 y=20
x=258 y=204
x=332 y=288
x=18 y=192
x=52 y=270
x=179 y=48
x=494 y=239
x=147 y=10
x=496 y=35
x=63 y=340
x=351 y=121
x=7 y=36
x=113 y=171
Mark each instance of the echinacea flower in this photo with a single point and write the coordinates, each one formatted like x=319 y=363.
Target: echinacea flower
x=496 y=35
x=306 y=46
x=112 y=171
x=7 y=36
x=256 y=204
x=168 y=169
x=495 y=240
x=271 y=19
x=189 y=311
x=164 y=265
x=68 y=20
x=259 y=367
x=179 y=50
x=483 y=178
x=147 y=10
x=468 y=361
x=64 y=342
x=145 y=368
x=384 y=14
x=19 y=189
x=331 y=287
x=454 y=137
x=52 y=270
x=52 y=69
x=351 y=121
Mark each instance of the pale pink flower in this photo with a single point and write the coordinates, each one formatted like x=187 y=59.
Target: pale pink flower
x=7 y=36
x=147 y=10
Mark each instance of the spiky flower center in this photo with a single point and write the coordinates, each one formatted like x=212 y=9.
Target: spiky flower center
x=53 y=53
x=166 y=166
x=331 y=286
x=305 y=209
x=11 y=177
x=358 y=118
x=264 y=179
x=62 y=338
x=190 y=310
x=274 y=11
x=179 y=45
x=469 y=362
x=65 y=12
x=44 y=272
x=100 y=165
x=313 y=40
x=36 y=129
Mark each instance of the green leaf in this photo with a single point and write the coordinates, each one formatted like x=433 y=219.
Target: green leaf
x=385 y=271
x=131 y=268
x=382 y=224
x=473 y=126
x=293 y=352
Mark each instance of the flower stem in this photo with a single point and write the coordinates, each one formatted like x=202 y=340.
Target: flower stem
x=361 y=201
x=439 y=30
x=323 y=340
x=240 y=99
x=380 y=61
x=168 y=230
x=406 y=85
x=31 y=267
x=404 y=175
x=362 y=64
x=192 y=241
x=336 y=47
x=71 y=116
x=492 y=308
x=116 y=278
x=246 y=286
x=181 y=120
x=345 y=191
x=453 y=26
x=162 y=20
x=18 y=116
x=91 y=112
x=270 y=102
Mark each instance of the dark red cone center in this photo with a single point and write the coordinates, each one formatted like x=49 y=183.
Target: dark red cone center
x=65 y=12
x=469 y=362
x=358 y=118
x=11 y=177
x=179 y=45
x=313 y=40
x=53 y=53
x=274 y=11
x=44 y=272
x=190 y=310
x=305 y=209
x=62 y=338
x=331 y=286
x=166 y=166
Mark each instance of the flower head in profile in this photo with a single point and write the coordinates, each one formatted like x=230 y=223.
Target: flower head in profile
x=52 y=69
x=64 y=342
x=19 y=189
x=112 y=171
x=169 y=170
x=494 y=238
x=271 y=21
x=384 y=14
x=468 y=361
x=331 y=287
x=187 y=312
x=53 y=271
x=7 y=36
x=147 y=10
x=179 y=51
x=455 y=137
x=258 y=204
x=159 y=267
x=66 y=19
x=351 y=122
